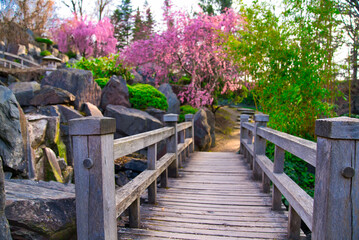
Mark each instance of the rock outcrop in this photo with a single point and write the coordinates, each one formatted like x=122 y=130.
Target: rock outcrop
x=115 y=93
x=211 y=120
x=172 y=100
x=49 y=95
x=78 y=82
x=90 y=110
x=131 y=121
x=202 y=131
x=24 y=91
x=4 y=224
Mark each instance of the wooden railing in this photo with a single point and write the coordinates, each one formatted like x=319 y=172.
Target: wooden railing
x=98 y=202
x=9 y=64
x=334 y=211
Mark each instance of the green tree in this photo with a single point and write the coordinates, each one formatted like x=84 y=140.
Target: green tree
x=212 y=7
x=123 y=24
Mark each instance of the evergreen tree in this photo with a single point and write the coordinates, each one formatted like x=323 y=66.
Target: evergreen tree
x=138 y=33
x=149 y=22
x=213 y=7
x=123 y=24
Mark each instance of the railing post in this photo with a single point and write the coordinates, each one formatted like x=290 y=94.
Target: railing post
x=243 y=134
x=336 y=197
x=171 y=121
x=182 y=156
x=189 y=118
x=278 y=168
x=151 y=165
x=260 y=120
x=92 y=142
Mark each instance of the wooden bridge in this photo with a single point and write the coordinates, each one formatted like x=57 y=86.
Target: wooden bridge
x=216 y=195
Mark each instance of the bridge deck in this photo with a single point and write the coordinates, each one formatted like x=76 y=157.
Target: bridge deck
x=214 y=198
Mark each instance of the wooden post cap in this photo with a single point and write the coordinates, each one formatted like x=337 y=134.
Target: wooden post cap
x=244 y=117
x=170 y=117
x=337 y=128
x=188 y=117
x=261 y=118
x=92 y=126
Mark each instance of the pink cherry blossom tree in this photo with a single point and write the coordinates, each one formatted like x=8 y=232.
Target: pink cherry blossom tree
x=191 y=48
x=86 y=37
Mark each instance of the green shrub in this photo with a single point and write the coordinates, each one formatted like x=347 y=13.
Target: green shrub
x=186 y=109
x=44 y=40
x=103 y=67
x=143 y=96
x=45 y=53
x=102 y=81
x=71 y=54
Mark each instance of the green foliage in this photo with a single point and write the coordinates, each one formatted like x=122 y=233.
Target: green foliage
x=104 y=67
x=143 y=96
x=186 y=109
x=102 y=81
x=44 y=40
x=45 y=53
x=71 y=54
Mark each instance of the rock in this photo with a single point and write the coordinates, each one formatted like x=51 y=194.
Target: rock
x=37 y=130
x=64 y=58
x=78 y=82
x=21 y=50
x=43 y=46
x=55 y=52
x=172 y=100
x=41 y=210
x=50 y=126
x=11 y=142
x=137 y=78
x=24 y=91
x=131 y=121
x=136 y=165
x=115 y=92
x=4 y=224
x=202 y=131
x=52 y=160
x=62 y=164
x=90 y=110
x=121 y=179
x=157 y=113
x=68 y=113
x=40 y=169
x=49 y=95
x=211 y=120
x=33 y=50
x=11 y=79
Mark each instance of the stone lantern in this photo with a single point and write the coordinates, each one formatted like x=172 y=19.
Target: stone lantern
x=50 y=63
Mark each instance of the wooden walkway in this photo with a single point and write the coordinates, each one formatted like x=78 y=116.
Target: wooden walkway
x=214 y=198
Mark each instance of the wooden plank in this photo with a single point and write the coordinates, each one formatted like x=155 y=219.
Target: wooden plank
x=302 y=148
x=131 y=144
x=249 y=126
x=151 y=161
x=297 y=197
x=135 y=188
x=294 y=223
x=134 y=214
x=183 y=126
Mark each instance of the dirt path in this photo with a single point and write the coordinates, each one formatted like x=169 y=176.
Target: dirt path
x=227 y=142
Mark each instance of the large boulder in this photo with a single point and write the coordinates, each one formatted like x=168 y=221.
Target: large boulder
x=78 y=82
x=211 y=120
x=115 y=92
x=131 y=121
x=49 y=95
x=202 y=131
x=11 y=141
x=40 y=210
x=172 y=100
x=90 y=110
x=4 y=224
x=24 y=91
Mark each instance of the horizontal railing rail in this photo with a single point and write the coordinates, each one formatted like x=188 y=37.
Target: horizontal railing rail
x=98 y=201
x=21 y=59
x=318 y=213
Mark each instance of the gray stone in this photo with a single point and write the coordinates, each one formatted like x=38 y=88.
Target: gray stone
x=33 y=50
x=137 y=78
x=90 y=110
x=11 y=141
x=202 y=131
x=37 y=130
x=211 y=120
x=157 y=113
x=115 y=92
x=4 y=224
x=136 y=165
x=62 y=164
x=64 y=58
x=24 y=91
x=49 y=95
x=121 y=179
x=172 y=100
x=40 y=210
x=78 y=82
x=11 y=79
x=131 y=121
x=21 y=50
x=68 y=113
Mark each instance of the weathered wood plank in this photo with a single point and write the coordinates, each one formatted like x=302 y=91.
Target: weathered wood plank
x=249 y=126
x=128 y=145
x=183 y=126
x=297 y=197
x=300 y=147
